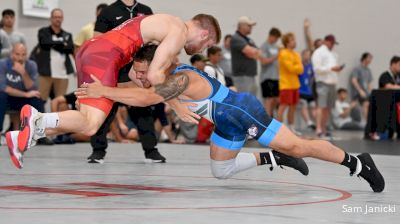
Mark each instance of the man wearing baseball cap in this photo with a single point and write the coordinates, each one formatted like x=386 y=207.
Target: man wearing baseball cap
x=326 y=69
x=244 y=56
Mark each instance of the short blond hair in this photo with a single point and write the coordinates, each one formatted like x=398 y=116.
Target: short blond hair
x=209 y=23
x=286 y=38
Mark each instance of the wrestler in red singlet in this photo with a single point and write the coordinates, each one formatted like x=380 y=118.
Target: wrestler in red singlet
x=104 y=55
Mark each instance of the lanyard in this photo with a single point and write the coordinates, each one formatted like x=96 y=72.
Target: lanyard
x=130 y=9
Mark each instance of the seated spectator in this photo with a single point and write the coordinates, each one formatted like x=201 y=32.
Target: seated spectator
x=123 y=129
x=341 y=113
x=391 y=78
x=18 y=82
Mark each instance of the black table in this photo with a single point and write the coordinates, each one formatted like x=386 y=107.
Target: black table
x=382 y=113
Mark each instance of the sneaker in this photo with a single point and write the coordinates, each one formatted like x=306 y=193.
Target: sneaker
x=12 y=143
x=28 y=117
x=367 y=170
x=154 y=157
x=280 y=159
x=97 y=156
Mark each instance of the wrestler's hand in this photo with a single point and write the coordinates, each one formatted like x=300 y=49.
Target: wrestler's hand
x=90 y=90
x=184 y=113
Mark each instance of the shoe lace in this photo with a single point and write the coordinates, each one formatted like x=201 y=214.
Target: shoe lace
x=272 y=167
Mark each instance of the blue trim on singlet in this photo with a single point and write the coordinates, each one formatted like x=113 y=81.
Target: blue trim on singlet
x=269 y=134
x=226 y=143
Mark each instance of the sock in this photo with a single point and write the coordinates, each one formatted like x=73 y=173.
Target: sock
x=349 y=161
x=265 y=158
x=50 y=120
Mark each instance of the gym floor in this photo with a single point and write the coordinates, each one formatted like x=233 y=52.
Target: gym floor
x=56 y=185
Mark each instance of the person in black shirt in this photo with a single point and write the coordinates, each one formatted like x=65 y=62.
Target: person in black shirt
x=391 y=78
x=111 y=17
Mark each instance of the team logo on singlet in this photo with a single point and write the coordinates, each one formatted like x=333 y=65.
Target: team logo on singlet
x=252 y=131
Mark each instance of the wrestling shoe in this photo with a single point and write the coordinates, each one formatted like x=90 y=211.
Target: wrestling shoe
x=12 y=143
x=29 y=117
x=280 y=159
x=97 y=156
x=366 y=169
x=154 y=157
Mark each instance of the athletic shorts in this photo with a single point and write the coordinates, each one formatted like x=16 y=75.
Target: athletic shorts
x=326 y=95
x=289 y=96
x=270 y=88
x=101 y=58
x=240 y=114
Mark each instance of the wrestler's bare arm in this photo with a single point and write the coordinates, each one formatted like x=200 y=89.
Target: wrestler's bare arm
x=173 y=86
x=172 y=42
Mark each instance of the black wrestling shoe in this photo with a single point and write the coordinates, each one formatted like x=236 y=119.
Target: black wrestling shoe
x=154 y=157
x=285 y=160
x=370 y=173
x=97 y=157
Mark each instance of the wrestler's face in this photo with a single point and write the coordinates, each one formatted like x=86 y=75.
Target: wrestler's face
x=141 y=68
x=199 y=43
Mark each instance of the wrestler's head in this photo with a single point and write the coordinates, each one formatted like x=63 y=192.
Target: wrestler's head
x=141 y=63
x=204 y=32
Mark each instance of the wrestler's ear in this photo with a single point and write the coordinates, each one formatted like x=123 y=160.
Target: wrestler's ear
x=204 y=34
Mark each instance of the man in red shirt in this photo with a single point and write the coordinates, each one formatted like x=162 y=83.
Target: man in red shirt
x=102 y=57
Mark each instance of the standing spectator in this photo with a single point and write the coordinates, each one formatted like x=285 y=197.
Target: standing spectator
x=87 y=31
x=391 y=78
x=18 y=82
x=214 y=55
x=5 y=46
x=326 y=69
x=244 y=57
x=8 y=19
x=312 y=45
x=290 y=67
x=361 y=84
x=110 y=17
x=307 y=98
x=226 y=61
x=342 y=113
x=269 y=77
x=53 y=56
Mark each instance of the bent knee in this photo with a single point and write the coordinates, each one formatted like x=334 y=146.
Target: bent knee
x=222 y=169
x=90 y=128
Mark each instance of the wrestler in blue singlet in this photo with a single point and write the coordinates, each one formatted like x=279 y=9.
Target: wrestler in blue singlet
x=234 y=114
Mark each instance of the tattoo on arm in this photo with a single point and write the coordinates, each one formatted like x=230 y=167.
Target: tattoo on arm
x=173 y=86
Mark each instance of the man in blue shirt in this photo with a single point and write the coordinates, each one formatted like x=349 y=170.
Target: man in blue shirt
x=307 y=98
x=18 y=82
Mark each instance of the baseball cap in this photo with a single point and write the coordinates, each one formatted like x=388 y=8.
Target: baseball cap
x=331 y=38
x=197 y=57
x=246 y=20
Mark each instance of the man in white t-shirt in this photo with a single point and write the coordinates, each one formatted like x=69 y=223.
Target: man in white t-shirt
x=342 y=113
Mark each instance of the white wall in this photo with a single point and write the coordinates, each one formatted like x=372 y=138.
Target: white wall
x=359 y=25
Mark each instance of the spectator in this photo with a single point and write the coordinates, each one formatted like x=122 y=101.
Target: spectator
x=214 y=55
x=307 y=83
x=270 y=71
x=198 y=61
x=226 y=61
x=391 y=78
x=326 y=70
x=312 y=45
x=5 y=46
x=244 y=57
x=87 y=31
x=342 y=113
x=361 y=84
x=110 y=17
x=290 y=67
x=8 y=18
x=18 y=82
x=53 y=56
